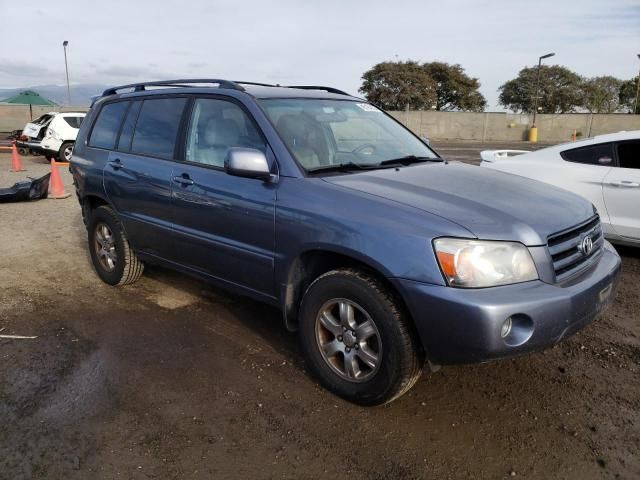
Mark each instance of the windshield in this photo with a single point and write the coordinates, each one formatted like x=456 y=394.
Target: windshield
x=326 y=133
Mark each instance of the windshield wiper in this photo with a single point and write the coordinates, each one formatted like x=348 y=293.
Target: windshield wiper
x=346 y=167
x=409 y=159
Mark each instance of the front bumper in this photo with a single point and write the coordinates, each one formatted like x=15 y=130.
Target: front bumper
x=33 y=189
x=464 y=325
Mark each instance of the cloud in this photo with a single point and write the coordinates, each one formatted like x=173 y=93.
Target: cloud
x=24 y=69
x=289 y=41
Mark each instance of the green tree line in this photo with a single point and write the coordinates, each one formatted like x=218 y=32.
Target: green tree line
x=446 y=87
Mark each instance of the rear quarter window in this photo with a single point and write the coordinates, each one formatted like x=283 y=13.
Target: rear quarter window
x=105 y=129
x=73 y=121
x=601 y=154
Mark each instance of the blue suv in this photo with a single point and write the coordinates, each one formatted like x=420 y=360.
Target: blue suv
x=382 y=255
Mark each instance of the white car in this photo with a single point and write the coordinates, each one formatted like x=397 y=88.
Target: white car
x=603 y=169
x=54 y=134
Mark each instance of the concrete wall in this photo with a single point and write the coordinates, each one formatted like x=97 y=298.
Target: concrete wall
x=15 y=117
x=509 y=127
x=488 y=127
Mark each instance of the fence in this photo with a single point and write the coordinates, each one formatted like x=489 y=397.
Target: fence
x=508 y=127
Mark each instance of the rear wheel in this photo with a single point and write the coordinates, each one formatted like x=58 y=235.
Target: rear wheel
x=65 y=152
x=356 y=338
x=113 y=259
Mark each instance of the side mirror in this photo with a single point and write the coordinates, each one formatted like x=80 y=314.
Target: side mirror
x=247 y=163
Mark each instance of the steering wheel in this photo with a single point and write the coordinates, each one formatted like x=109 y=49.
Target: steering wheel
x=366 y=149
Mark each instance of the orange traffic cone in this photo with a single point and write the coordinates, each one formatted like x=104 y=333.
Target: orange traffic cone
x=574 y=135
x=16 y=164
x=56 y=189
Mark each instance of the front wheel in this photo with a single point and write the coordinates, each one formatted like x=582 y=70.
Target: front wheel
x=356 y=338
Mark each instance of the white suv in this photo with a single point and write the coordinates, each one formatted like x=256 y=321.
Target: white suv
x=54 y=134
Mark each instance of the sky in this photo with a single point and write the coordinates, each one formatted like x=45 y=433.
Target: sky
x=324 y=42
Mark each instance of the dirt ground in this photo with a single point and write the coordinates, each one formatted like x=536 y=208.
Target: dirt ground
x=173 y=379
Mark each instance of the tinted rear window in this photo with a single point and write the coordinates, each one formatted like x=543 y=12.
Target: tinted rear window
x=105 y=130
x=592 y=155
x=157 y=127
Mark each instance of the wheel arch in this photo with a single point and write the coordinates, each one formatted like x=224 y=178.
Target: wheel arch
x=312 y=263
x=91 y=202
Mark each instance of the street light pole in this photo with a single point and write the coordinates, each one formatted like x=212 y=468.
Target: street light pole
x=635 y=106
x=535 y=100
x=66 y=68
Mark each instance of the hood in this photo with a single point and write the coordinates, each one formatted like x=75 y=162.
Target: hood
x=490 y=204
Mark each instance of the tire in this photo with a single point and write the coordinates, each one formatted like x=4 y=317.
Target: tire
x=66 y=149
x=392 y=342
x=118 y=264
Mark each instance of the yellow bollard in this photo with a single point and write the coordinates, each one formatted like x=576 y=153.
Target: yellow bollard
x=533 y=134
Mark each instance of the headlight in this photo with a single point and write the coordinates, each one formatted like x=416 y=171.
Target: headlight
x=478 y=263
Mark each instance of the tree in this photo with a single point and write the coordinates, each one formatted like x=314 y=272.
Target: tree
x=559 y=90
x=399 y=85
x=627 y=95
x=455 y=89
x=601 y=94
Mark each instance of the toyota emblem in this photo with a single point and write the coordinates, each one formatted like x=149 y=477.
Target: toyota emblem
x=586 y=246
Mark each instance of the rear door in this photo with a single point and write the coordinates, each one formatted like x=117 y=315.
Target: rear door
x=224 y=224
x=137 y=176
x=622 y=190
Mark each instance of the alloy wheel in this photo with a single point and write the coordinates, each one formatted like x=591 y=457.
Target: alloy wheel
x=105 y=247
x=348 y=340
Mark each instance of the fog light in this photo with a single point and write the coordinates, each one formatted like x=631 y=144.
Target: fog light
x=506 y=328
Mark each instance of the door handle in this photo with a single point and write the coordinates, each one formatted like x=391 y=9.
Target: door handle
x=115 y=164
x=183 y=179
x=625 y=184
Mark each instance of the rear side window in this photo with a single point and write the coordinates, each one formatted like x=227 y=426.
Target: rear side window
x=592 y=155
x=629 y=154
x=157 y=127
x=124 y=143
x=105 y=130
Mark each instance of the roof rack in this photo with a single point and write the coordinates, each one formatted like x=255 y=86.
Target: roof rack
x=235 y=85
x=257 y=84
x=140 y=87
x=302 y=87
x=318 y=87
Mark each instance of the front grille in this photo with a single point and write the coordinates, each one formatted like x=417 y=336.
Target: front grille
x=566 y=248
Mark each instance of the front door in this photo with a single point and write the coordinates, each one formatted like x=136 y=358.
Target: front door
x=622 y=190
x=224 y=224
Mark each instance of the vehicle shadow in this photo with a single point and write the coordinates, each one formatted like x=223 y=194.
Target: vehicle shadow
x=263 y=320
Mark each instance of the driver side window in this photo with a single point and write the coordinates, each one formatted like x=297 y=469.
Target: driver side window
x=215 y=127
